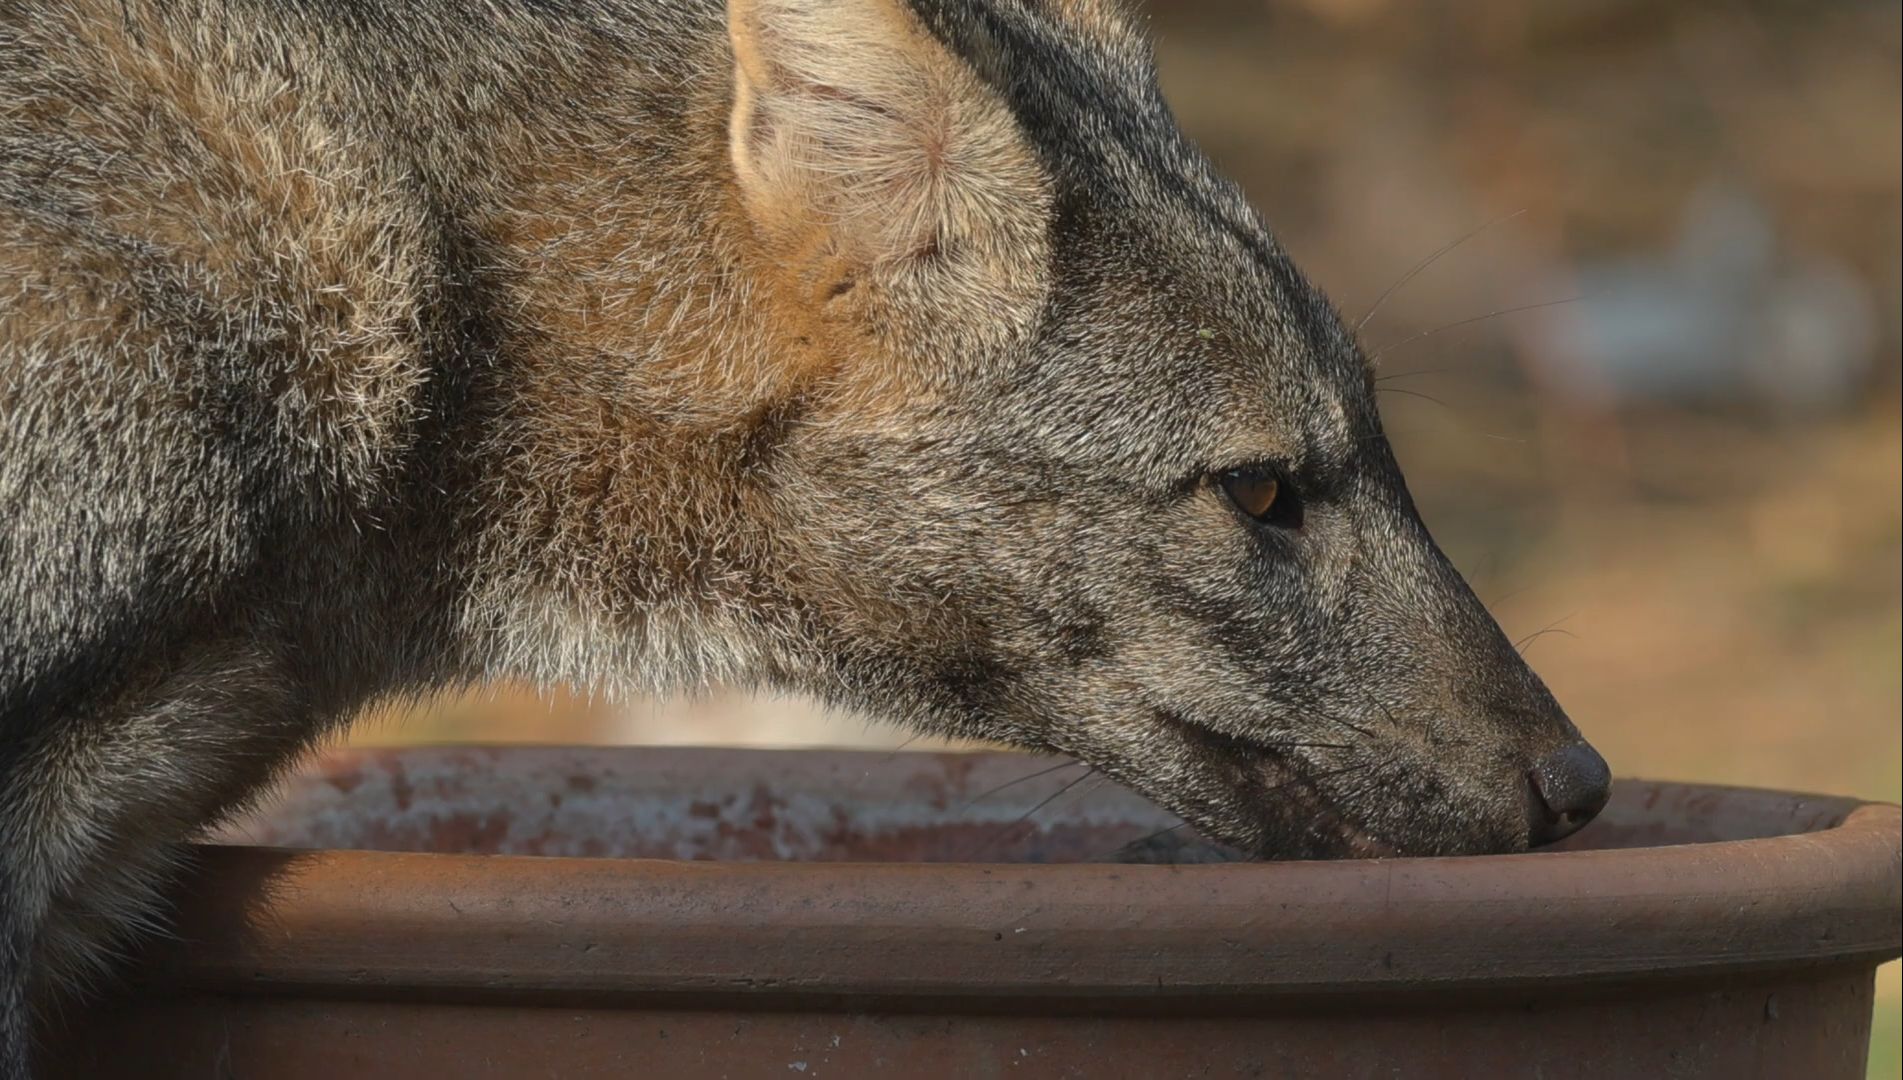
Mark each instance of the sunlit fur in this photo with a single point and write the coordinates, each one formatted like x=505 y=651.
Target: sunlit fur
x=878 y=349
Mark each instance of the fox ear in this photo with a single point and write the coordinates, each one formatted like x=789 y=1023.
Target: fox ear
x=855 y=131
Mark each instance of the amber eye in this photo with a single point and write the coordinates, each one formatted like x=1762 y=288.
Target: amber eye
x=1261 y=494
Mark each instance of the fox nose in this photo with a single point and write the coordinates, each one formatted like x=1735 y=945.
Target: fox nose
x=1570 y=787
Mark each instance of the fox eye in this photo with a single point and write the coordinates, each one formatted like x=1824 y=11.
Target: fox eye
x=1262 y=495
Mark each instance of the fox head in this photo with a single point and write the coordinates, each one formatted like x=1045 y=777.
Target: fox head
x=1079 y=460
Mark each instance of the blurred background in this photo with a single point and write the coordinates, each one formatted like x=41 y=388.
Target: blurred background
x=1645 y=382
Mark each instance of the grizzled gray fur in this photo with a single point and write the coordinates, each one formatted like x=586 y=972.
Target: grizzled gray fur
x=902 y=352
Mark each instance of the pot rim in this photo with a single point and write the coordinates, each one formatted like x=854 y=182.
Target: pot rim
x=521 y=927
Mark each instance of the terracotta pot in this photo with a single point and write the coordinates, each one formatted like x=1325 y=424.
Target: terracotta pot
x=718 y=913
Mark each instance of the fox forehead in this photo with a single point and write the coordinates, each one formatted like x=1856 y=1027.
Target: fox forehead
x=1157 y=404
x=1167 y=357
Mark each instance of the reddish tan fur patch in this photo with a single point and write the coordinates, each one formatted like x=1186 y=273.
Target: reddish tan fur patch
x=658 y=330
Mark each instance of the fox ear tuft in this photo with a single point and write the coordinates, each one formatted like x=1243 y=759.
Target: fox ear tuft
x=852 y=125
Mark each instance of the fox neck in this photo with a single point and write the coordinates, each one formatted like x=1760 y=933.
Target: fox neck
x=648 y=359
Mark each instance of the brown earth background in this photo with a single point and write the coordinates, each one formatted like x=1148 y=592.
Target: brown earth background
x=1687 y=470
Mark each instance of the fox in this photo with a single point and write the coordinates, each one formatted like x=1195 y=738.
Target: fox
x=901 y=353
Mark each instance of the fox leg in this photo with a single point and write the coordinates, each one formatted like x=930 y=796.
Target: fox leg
x=94 y=810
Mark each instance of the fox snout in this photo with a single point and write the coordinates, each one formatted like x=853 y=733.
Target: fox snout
x=1296 y=669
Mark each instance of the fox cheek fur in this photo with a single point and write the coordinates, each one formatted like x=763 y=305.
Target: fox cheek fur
x=898 y=351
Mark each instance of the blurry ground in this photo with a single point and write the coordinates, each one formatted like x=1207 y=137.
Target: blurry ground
x=1691 y=474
